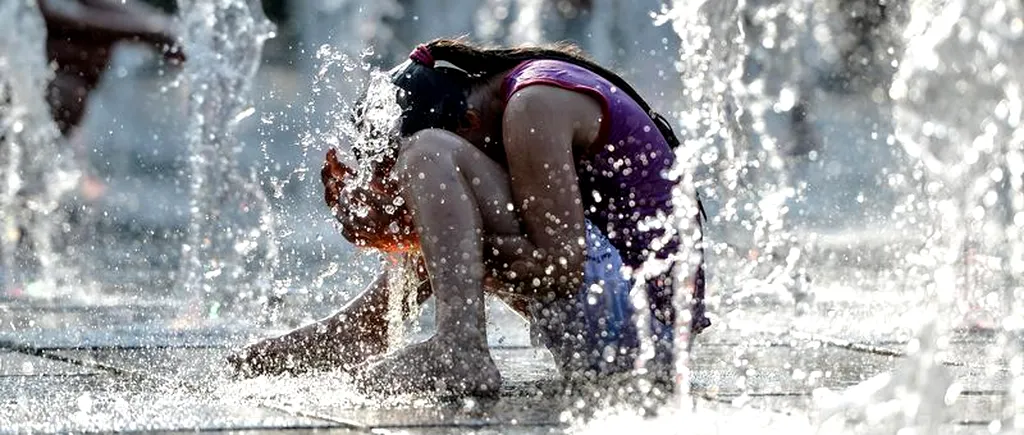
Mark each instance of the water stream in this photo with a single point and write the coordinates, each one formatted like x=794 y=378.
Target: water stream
x=958 y=112
x=963 y=161
x=231 y=247
x=37 y=167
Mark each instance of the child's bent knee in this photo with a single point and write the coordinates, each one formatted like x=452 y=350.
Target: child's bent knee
x=435 y=140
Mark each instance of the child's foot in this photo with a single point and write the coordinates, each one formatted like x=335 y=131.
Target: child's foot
x=308 y=348
x=434 y=367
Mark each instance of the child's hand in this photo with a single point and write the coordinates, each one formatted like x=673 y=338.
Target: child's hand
x=334 y=175
x=368 y=214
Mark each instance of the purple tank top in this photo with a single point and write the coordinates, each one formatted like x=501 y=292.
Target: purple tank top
x=622 y=180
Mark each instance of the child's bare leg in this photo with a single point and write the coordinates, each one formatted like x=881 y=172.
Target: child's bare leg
x=344 y=340
x=455 y=194
x=358 y=332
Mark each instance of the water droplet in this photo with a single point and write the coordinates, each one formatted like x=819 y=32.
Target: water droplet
x=85 y=403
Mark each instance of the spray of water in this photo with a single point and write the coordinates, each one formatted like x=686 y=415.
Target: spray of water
x=231 y=244
x=956 y=141
x=706 y=75
x=489 y=20
x=958 y=110
x=374 y=128
x=367 y=125
x=526 y=28
x=37 y=169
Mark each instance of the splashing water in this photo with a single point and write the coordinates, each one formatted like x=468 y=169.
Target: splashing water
x=700 y=125
x=375 y=126
x=737 y=101
x=343 y=33
x=372 y=134
x=712 y=135
x=336 y=122
x=971 y=149
x=526 y=29
x=957 y=109
x=367 y=128
x=402 y=304
x=231 y=244
x=707 y=418
x=334 y=78
x=37 y=169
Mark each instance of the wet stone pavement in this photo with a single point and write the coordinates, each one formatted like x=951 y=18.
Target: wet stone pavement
x=137 y=368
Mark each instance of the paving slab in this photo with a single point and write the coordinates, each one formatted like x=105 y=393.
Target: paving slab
x=966 y=409
x=707 y=416
x=19 y=364
x=203 y=366
x=334 y=398
x=782 y=369
x=990 y=380
x=133 y=335
x=202 y=372
x=529 y=375
x=524 y=365
x=504 y=413
x=503 y=430
x=965 y=429
x=175 y=377
x=194 y=366
x=107 y=404
x=22 y=315
x=523 y=408
x=981 y=408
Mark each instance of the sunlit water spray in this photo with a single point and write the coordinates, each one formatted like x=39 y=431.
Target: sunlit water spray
x=364 y=125
x=370 y=131
x=338 y=39
x=958 y=110
x=231 y=248
x=37 y=170
x=223 y=55
x=724 y=128
x=970 y=147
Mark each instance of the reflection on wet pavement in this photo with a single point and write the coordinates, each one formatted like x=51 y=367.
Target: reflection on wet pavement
x=123 y=376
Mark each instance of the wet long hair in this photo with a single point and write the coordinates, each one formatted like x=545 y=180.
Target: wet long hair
x=440 y=74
